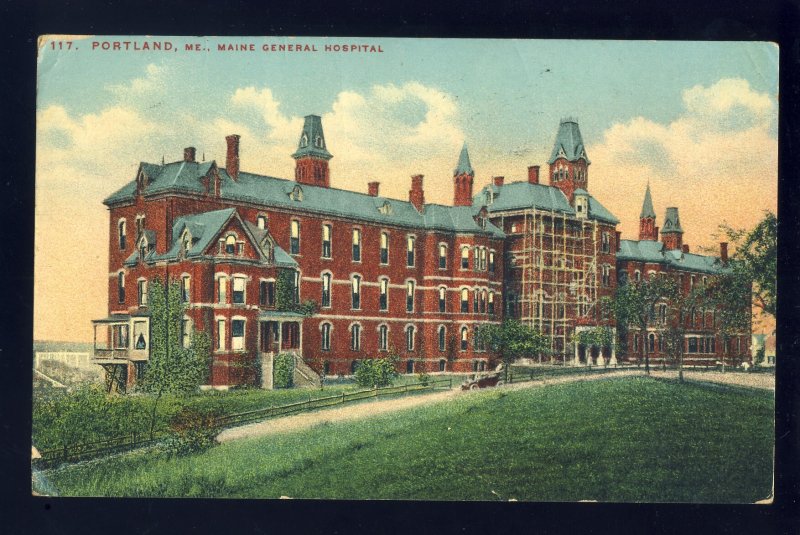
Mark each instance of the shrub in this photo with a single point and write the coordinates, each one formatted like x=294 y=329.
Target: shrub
x=423 y=378
x=192 y=430
x=283 y=370
x=372 y=373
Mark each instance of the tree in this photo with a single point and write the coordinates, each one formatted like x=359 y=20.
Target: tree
x=172 y=368
x=674 y=332
x=600 y=336
x=730 y=295
x=756 y=260
x=511 y=340
x=634 y=304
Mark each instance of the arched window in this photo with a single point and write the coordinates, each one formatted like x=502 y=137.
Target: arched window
x=384 y=247
x=410 y=243
x=637 y=275
x=482 y=302
x=464 y=338
x=230 y=244
x=491 y=304
x=326 y=290
x=442 y=256
x=356 y=245
x=123 y=231
x=651 y=343
x=442 y=299
x=326 y=241
x=356 y=285
x=383 y=299
x=442 y=337
x=383 y=338
x=294 y=238
x=326 y=337
x=465 y=257
x=442 y=365
x=355 y=337
x=186 y=293
x=410 y=296
x=491 y=261
x=464 y=300
x=121 y=287
x=410 y=338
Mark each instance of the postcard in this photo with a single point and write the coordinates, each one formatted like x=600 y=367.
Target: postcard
x=406 y=269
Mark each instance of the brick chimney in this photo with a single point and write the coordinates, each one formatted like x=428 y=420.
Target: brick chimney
x=619 y=239
x=498 y=181
x=416 y=194
x=685 y=248
x=373 y=188
x=723 y=251
x=533 y=174
x=232 y=159
x=188 y=154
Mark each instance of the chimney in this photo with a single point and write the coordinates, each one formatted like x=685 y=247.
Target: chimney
x=498 y=181
x=416 y=195
x=723 y=251
x=188 y=154
x=232 y=159
x=655 y=233
x=685 y=248
x=373 y=188
x=619 y=239
x=533 y=174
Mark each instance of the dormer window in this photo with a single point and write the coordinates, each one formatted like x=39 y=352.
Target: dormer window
x=261 y=222
x=489 y=196
x=186 y=240
x=304 y=140
x=318 y=141
x=230 y=244
x=385 y=208
x=297 y=193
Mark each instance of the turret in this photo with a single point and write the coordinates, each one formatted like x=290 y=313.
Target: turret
x=671 y=231
x=463 y=176
x=647 y=218
x=569 y=164
x=312 y=155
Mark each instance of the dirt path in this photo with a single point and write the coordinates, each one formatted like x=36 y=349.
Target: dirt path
x=368 y=409
x=763 y=381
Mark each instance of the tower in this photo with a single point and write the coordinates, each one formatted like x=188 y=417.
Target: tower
x=463 y=176
x=568 y=161
x=647 y=218
x=312 y=156
x=671 y=232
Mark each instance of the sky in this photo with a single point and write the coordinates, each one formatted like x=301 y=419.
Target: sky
x=697 y=120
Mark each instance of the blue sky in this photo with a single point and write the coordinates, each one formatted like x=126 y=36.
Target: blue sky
x=696 y=120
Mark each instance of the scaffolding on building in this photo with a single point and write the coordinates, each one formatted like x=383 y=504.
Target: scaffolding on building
x=558 y=287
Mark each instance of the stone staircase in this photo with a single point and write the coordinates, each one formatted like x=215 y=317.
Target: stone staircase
x=303 y=375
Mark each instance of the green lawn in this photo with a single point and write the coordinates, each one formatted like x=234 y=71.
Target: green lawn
x=625 y=439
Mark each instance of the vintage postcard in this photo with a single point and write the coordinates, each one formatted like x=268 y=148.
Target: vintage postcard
x=408 y=269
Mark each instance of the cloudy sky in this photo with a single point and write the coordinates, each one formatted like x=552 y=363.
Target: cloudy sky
x=696 y=120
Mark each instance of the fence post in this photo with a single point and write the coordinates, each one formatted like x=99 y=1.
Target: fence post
x=451 y=384
x=342 y=397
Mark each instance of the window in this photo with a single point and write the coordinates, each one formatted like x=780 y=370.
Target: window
x=384 y=247
x=465 y=257
x=606 y=275
x=356 y=245
x=294 y=240
x=185 y=288
x=636 y=342
x=139 y=225
x=355 y=337
x=297 y=193
x=464 y=300
x=463 y=338
x=237 y=335
x=266 y=293
x=296 y=287
x=230 y=244
x=410 y=338
x=651 y=343
x=662 y=313
x=220 y=335
x=442 y=299
x=356 y=282
x=326 y=336
x=480 y=344
x=410 y=251
x=119 y=337
x=140 y=335
x=442 y=256
x=383 y=303
x=238 y=290
x=187 y=242
x=326 y=290
x=121 y=287
x=222 y=290
x=142 y=293
x=606 y=243
x=261 y=222
x=691 y=282
x=410 y=296
x=475 y=295
x=482 y=301
x=442 y=338
x=186 y=332
x=637 y=276
x=326 y=241
x=442 y=365
x=483 y=259
x=383 y=338
x=491 y=261
x=692 y=345
x=326 y=368
x=409 y=366
x=122 y=234
x=490 y=307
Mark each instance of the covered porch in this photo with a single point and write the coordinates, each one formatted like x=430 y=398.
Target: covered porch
x=278 y=332
x=121 y=347
x=593 y=354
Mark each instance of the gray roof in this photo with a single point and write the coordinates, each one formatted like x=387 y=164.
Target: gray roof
x=312 y=139
x=654 y=252
x=463 y=167
x=274 y=192
x=569 y=143
x=672 y=222
x=521 y=195
x=647 y=205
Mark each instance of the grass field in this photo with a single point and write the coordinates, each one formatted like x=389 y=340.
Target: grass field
x=625 y=439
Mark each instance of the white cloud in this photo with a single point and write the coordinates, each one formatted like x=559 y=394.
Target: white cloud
x=153 y=81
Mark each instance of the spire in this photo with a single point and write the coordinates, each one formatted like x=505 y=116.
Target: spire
x=569 y=143
x=647 y=205
x=464 y=167
x=312 y=140
x=672 y=222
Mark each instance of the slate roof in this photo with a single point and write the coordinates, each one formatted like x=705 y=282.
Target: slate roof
x=521 y=195
x=672 y=222
x=464 y=166
x=653 y=252
x=647 y=205
x=312 y=131
x=569 y=143
x=276 y=192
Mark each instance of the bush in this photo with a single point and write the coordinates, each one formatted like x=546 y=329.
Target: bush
x=283 y=370
x=372 y=373
x=423 y=378
x=192 y=430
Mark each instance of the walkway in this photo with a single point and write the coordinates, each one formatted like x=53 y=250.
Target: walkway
x=765 y=381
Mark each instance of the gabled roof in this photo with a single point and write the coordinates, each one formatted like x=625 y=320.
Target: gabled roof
x=654 y=252
x=174 y=176
x=647 y=205
x=569 y=143
x=464 y=167
x=522 y=195
x=312 y=139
